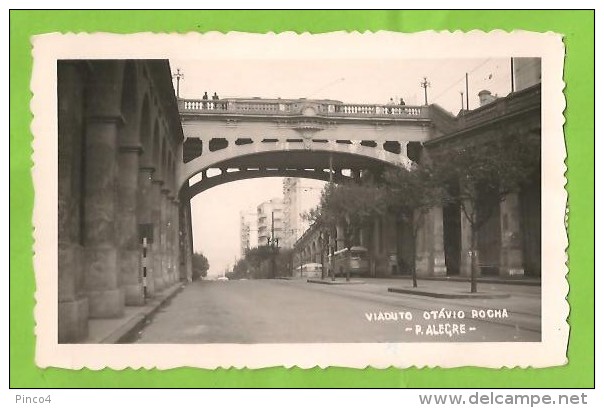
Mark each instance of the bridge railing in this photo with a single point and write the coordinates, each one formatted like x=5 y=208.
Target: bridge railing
x=293 y=108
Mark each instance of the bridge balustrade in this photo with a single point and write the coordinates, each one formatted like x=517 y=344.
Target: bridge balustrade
x=293 y=108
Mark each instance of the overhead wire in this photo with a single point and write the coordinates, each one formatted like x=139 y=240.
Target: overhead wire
x=461 y=79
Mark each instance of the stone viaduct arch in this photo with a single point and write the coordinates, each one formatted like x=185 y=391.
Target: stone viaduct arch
x=300 y=138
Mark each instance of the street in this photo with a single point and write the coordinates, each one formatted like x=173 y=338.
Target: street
x=294 y=311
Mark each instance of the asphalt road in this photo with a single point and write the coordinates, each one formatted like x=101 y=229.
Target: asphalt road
x=294 y=311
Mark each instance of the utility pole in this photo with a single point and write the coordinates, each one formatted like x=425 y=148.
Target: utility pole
x=512 y=73
x=425 y=84
x=467 y=94
x=461 y=94
x=273 y=254
x=330 y=244
x=179 y=75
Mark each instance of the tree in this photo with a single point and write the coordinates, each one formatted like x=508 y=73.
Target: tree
x=491 y=168
x=200 y=266
x=241 y=269
x=409 y=194
x=254 y=263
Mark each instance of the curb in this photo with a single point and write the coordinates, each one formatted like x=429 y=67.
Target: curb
x=513 y=281
x=125 y=332
x=442 y=295
x=330 y=282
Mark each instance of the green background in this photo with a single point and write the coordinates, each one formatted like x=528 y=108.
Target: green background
x=578 y=30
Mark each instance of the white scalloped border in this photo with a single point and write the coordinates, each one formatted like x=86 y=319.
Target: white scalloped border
x=214 y=45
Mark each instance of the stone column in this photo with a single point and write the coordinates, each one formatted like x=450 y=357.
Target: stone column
x=171 y=229
x=156 y=201
x=176 y=240
x=465 y=267
x=165 y=254
x=127 y=226
x=144 y=211
x=512 y=256
x=340 y=242
x=363 y=241
x=73 y=302
x=106 y=297
x=391 y=243
x=188 y=240
x=430 y=256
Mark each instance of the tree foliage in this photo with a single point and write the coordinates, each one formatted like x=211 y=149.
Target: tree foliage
x=200 y=266
x=351 y=205
x=256 y=264
x=409 y=193
x=492 y=167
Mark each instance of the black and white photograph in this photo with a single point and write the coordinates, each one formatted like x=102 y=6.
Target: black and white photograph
x=226 y=200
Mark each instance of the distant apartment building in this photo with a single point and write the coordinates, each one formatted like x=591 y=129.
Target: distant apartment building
x=247 y=230
x=269 y=217
x=299 y=196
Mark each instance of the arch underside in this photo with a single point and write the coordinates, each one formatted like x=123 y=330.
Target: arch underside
x=302 y=164
x=290 y=156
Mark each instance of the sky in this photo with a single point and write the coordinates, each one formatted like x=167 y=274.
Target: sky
x=348 y=80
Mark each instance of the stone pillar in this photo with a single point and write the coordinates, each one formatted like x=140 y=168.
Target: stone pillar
x=127 y=226
x=106 y=297
x=156 y=201
x=145 y=219
x=340 y=242
x=73 y=302
x=174 y=240
x=181 y=243
x=512 y=257
x=391 y=243
x=165 y=220
x=363 y=235
x=465 y=267
x=186 y=228
x=430 y=255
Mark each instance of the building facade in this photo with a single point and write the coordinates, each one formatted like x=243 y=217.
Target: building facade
x=270 y=221
x=299 y=196
x=247 y=231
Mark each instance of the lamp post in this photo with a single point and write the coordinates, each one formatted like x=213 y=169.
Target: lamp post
x=273 y=243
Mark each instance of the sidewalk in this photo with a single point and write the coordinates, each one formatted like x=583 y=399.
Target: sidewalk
x=118 y=330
